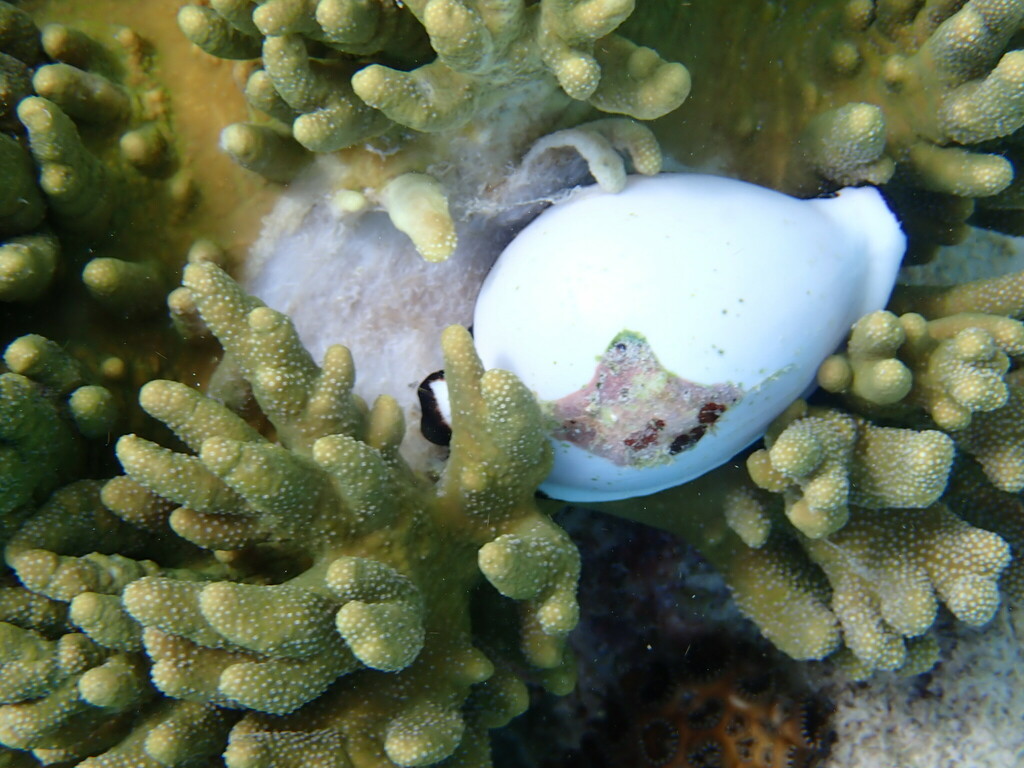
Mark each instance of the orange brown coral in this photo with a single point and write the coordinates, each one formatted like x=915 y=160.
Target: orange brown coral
x=724 y=709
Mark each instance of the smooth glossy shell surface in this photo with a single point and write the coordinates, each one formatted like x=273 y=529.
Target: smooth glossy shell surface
x=630 y=315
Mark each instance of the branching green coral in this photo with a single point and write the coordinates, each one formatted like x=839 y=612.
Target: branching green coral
x=954 y=367
x=73 y=180
x=866 y=592
x=951 y=367
x=837 y=459
x=27 y=265
x=492 y=67
x=976 y=500
x=70 y=180
x=854 y=532
x=864 y=501
x=482 y=51
x=887 y=567
x=335 y=560
x=996 y=439
x=69 y=697
x=45 y=410
x=923 y=97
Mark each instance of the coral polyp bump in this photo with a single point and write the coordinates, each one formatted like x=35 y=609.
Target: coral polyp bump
x=681 y=306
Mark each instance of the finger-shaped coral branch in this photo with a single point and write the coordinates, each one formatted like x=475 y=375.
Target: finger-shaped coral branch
x=303 y=401
x=104 y=619
x=493 y=414
x=952 y=367
x=869 y=368
x=69 y=522
x=283 y=620
x=887 y=569
x=787 y=599
x=431 y=98
x=382 y=616
x=847 y=144
x=191 y=416
x=330 y=115
x=342 y=580
x=636 y=81
x=959 y=365
x=837 y=460
x=996 y=439
x=177 y=477
x=536 y=563
x=170 y=733
x=92 y=691
x=418 y=206
x=1000 y=295
x=212 y=32
x=83 y=96
x=265 y=150
x=75 y=183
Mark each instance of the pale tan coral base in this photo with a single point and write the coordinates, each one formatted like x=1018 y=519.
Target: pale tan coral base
x=205 y=96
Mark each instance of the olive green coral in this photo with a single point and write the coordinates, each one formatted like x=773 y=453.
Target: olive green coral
x=867 y=592
x=426 y=76
x=63 y=697
x=482 y=51
x=951 y=367
x=923 y=97
x=46 y=409
x=954 y=367
x=859 y=523
x=82 y=131
x=888 y=568
x=996 y=438
x=319 y=584
x=836 y=459
x=866 y=499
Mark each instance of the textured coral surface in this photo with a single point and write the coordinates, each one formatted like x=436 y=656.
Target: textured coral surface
x=270 y=582
x=922 y=96
x=122 y=177
x=857 y=523
x=347 y=604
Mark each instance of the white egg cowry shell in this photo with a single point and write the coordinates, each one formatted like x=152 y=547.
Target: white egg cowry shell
x=665 y=326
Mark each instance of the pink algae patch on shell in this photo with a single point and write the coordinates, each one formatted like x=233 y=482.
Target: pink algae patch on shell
x=636 y=413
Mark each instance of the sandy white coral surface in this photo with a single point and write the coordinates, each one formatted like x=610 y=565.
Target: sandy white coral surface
x=966 y=713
